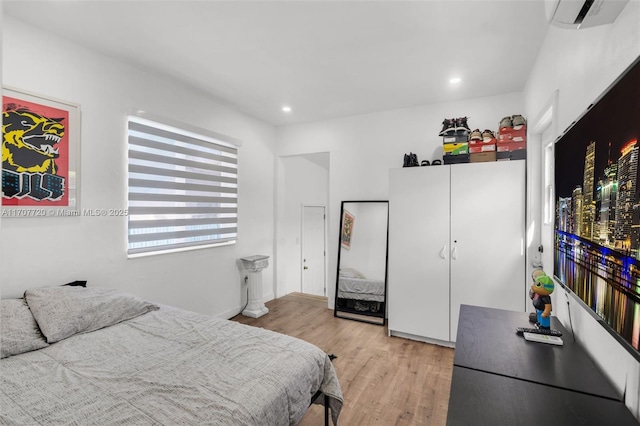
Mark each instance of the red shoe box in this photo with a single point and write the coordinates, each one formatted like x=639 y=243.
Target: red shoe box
x=482 y=157
x=482 y=146
x=513 y=134
x=510 y=146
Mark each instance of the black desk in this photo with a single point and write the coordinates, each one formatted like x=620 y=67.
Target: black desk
x=487 y=341
x=489 y=399
x=500 y=378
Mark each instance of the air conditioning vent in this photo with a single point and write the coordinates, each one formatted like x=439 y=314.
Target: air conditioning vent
x=583 y=13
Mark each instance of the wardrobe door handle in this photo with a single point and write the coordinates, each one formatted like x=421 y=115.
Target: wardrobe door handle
x=443 y=253
x=454 y=253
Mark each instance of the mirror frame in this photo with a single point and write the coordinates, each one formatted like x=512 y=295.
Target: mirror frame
x=378 y=318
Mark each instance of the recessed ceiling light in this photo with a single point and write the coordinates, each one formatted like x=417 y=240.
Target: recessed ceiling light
x=455 y=80
x=286 y=108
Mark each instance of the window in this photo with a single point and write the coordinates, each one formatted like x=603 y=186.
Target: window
x=183 y=189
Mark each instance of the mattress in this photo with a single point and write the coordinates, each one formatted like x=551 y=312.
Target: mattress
x=167 y=367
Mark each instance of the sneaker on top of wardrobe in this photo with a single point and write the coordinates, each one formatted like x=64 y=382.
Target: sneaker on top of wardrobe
x=413 y=160
x=448 y=126
x=506 y=122
x=461 y=124
x=518 y=120
x=475 y=135
x=488 y=135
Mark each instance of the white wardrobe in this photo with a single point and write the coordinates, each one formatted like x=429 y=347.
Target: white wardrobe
x=456 y=236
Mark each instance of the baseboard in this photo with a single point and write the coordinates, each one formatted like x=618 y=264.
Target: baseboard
x=230 y=313
x=422 y=339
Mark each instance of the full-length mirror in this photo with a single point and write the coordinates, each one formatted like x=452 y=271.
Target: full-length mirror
x=361 y=284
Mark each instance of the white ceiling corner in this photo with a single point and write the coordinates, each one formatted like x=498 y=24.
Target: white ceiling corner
x=325 y=59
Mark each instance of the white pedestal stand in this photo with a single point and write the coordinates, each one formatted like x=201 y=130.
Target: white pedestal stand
x=254 y=266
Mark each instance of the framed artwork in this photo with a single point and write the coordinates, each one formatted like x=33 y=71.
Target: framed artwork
x=40 y=155
x=347 y=229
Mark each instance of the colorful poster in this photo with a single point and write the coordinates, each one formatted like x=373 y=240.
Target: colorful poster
x=38 y=161
x=347 y=229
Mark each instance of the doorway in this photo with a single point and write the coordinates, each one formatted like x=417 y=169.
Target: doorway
x=302 y=180
x=313 y=256
x=542 y=196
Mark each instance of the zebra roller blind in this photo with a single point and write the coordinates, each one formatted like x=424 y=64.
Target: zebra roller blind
x=183 y=189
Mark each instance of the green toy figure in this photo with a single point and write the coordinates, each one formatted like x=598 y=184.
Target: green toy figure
x=540 y=294
x=533 y=316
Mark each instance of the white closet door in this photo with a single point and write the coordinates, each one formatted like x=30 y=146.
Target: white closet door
x=487 y=237
x=418 y=287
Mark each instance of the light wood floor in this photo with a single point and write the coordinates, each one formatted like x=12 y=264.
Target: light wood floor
x=385 y=380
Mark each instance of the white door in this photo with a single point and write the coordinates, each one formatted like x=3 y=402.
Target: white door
x=418 y=287
x=487 y=237
x=313 y=250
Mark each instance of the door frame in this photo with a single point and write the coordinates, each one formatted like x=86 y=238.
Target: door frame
x=543 y=132
x=302 y=242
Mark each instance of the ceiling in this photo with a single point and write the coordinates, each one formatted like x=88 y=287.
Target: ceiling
x=324 y=59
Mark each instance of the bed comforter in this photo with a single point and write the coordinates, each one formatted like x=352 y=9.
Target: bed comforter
x=353 y=285
x=167 y=367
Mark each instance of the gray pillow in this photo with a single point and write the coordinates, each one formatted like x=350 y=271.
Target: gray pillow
x=19 y=332
x=64 y=311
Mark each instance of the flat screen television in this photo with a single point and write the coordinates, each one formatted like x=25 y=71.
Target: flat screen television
x=597 y=216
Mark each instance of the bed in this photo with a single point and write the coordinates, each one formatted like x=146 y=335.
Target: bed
x=352 y=284
x=360 y=295
x=97 y=356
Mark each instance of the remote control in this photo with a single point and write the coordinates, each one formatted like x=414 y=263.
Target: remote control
x=543 y=338
x=521 y=330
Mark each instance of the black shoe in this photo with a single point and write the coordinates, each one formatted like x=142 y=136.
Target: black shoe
x=448 y=126
x=410 y=160
x=533 y=317
x=461 y=124
x=406 y=161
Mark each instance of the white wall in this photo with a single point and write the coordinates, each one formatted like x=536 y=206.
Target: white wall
x=300 y=182
x=368 y=249
x=581 y=64
x=364 y=147
x=51 y=251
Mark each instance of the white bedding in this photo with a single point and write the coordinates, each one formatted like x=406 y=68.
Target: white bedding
x=354 y=285
x=167 y=367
